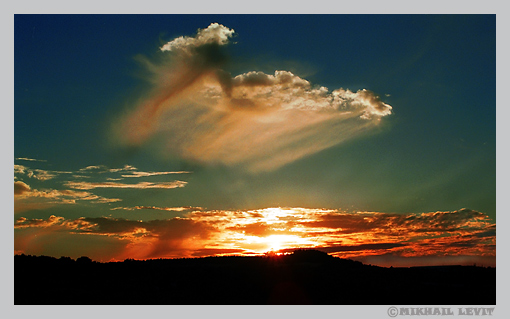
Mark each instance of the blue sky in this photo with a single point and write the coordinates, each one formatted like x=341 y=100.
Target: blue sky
x=427 y=144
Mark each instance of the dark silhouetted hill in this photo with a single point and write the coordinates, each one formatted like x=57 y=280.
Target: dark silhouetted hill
x=303 y=277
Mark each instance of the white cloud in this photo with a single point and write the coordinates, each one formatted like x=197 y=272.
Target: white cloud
x=213 y=34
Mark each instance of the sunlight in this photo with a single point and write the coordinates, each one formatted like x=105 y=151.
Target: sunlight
x=278 y=242
x=275 y=214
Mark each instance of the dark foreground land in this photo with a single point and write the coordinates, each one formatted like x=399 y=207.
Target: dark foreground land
x=305 y=277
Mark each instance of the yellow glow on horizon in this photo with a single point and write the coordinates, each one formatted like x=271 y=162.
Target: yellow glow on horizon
x=277 y=242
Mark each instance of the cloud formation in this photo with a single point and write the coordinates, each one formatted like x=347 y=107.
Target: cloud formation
x=27 y=198
x=45 y=196
x=255 y=120
x=458 y=234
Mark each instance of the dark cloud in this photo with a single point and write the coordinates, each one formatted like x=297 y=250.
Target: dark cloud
x=20 y=188
x=343 y=248
x=212 y=251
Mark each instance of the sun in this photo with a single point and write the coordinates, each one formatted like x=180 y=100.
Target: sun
x=278 y=242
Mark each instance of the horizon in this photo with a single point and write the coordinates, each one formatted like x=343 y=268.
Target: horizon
x=371 y=137
x=269 y=254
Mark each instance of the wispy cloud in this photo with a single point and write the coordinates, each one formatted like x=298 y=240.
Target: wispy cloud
x=29 y=159
x=39 y=174
x=27 y=198
x=256 y=120
x=170 y=209
x=126 y=171
x=145 y=174
x=25 y=223
x=359 y=235
x=141 y=185
x=106 y=169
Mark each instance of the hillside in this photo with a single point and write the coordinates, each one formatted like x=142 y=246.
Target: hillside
x=304 y=277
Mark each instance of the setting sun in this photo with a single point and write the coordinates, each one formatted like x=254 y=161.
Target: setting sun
x=277 y=242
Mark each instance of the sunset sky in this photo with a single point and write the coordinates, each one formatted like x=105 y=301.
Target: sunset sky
x=370 y=137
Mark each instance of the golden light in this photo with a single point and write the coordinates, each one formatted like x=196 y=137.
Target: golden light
x=276 y=242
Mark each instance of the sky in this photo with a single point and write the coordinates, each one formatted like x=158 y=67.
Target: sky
x=370 y=137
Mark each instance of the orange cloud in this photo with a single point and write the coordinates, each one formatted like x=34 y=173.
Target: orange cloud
x=349 y=235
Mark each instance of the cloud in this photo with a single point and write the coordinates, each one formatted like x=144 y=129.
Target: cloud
x=93 y=168
x=104 y=169
x=27 y=198
x=51 y=221
x=362 y=247
x=170 y=209
x=126 y=171
x=141 y=185
x=153 y=239
x=20 y=188
x=38 y=174
x=357 y=235
x=214 y=34
x=254 y=120
x=146 y=174
x=29 y=159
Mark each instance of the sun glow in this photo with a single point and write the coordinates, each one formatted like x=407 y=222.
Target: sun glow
x=277 y=242
x=272 y=243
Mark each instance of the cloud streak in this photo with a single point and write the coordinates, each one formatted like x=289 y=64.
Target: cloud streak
x=29 y=159
x=146 y=174
x=169 y=209
x=254 y=120
x=141 y=185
